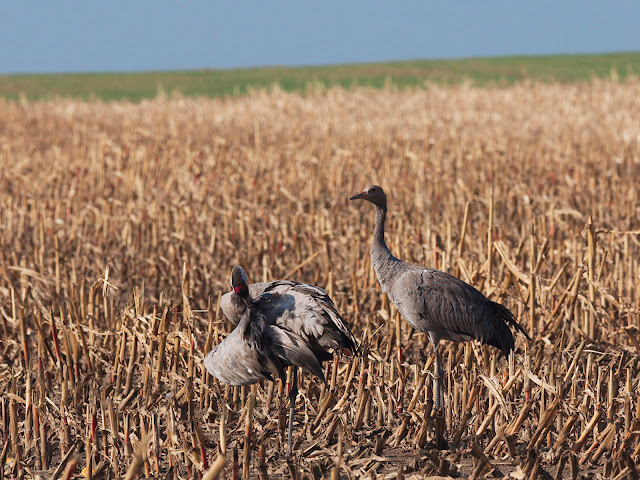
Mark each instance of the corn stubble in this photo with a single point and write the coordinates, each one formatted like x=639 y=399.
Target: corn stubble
x=120 y=224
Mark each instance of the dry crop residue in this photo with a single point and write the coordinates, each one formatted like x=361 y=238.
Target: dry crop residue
x=119 y=225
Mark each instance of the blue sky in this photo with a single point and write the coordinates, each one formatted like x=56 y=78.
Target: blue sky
x=65 y=36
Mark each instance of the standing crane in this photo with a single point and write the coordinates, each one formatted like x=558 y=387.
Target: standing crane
x=276 y=330
x=434 y=302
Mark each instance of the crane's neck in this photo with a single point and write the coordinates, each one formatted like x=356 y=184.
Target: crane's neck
x=243 y=300
x=381 y=257
x=238 y=302
x=378 y=230
x=247 y=325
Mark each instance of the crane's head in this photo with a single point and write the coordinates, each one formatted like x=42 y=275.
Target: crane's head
x=239 y=281
x=373 y=194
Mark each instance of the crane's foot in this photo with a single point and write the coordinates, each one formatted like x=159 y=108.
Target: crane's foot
x=290 y=430
x=441 y=442
x=293 y=393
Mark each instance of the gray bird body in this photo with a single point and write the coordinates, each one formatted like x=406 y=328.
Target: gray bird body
x=260 y=349
x=305 y=310
x=442 y=305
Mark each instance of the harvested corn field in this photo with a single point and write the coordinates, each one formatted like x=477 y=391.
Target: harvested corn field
x=120 y=223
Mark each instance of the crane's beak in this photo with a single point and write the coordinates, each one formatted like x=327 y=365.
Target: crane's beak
x=359 y=196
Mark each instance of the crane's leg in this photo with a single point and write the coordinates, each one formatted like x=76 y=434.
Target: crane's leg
x=438 y=396
x=438 y=400
x=293 y=394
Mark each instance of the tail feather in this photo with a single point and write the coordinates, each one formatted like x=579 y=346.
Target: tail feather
x=346 y=338
x=505 y=314
x=323 y=355
x=502 y=337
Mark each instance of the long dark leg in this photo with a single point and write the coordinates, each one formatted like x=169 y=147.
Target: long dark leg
x=293 y=394
x=438 y=399
x=438 y=396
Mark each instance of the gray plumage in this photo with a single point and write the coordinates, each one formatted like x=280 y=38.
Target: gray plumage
x=442 y=305
x=286 y=324
x=257 y=349
x=305 y=310
x=434 y=302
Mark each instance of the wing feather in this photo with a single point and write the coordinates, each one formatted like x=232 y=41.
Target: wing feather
x=294 y=350
x=305 y=310
x=237 y=362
